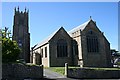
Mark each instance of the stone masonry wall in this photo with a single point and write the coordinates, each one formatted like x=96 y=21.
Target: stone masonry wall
x=20 y=71
x=86 y=73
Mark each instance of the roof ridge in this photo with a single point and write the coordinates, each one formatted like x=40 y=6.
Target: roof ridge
x=47 y=38
x=82 y=26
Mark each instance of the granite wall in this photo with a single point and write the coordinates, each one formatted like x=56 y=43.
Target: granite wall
x=21 y=71
x=87 y=73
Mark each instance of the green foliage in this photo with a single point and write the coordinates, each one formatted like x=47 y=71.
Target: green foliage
x=95 y=68
x=118 y=63
x=10 y=49
x=5 y=33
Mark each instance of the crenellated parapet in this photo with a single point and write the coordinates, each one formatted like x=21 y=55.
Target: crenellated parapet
x=17 y=11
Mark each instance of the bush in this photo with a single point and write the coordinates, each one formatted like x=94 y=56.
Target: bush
x=10 y=50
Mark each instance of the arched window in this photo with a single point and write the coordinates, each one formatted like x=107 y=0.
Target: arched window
x=62 y=48
x=92 y=42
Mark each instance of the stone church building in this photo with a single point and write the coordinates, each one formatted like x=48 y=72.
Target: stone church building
x=21 y=33
x=84 y=45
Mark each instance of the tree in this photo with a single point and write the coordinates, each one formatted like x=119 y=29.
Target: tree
x=10 y=49
x=6 y=33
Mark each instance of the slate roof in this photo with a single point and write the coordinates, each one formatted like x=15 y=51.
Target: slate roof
x=80 y=27
x=47 y=39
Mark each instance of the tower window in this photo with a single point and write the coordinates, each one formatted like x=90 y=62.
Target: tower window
x=62 y=48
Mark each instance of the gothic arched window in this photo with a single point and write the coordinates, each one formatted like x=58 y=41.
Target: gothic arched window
x=92 y=42
x=62 y=48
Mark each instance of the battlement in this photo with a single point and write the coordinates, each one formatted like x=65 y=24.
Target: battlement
x=21 y=12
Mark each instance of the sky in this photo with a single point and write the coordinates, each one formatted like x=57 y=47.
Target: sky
x=119 y=27
x=59 y=0
x=47 y=17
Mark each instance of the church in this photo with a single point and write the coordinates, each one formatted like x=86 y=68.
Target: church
x=84 y=46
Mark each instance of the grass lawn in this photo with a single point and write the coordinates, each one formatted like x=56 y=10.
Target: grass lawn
x=98 y=68
x=105 y=68
x=60 y=70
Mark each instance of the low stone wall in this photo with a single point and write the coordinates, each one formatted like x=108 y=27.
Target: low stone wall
x=87 y=73
x=21 y=71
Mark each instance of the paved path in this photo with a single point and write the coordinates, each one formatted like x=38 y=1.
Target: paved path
x=54 y=75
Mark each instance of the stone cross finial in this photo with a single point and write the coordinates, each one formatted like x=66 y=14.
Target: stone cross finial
x=90 y=17
x=25 y=9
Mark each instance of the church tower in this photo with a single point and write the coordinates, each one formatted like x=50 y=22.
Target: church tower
x=21 y=33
